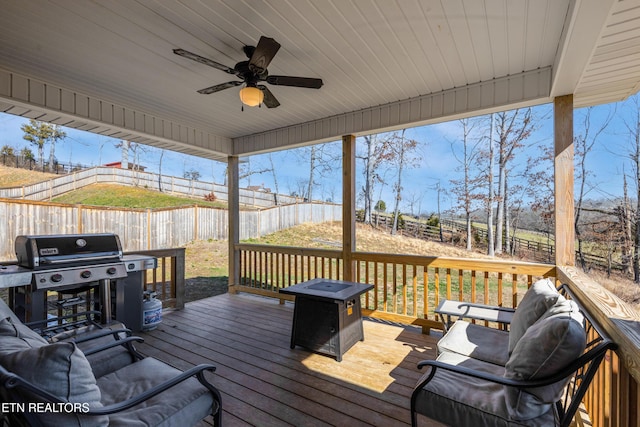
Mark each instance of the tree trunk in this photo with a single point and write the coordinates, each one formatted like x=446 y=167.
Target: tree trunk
x=507 y=218
x=124 y=164
x=368 y=184
x=276 y=191
x=160 y=171
x=312 y=167
x=41 y=156
x=52 y=154
x=396 y=209
x=490 y=243
x=500 y=215
x=625 y=220
x=636 y=241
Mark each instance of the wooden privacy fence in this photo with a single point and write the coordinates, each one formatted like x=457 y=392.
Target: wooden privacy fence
x=47 y=190
x=145 y=229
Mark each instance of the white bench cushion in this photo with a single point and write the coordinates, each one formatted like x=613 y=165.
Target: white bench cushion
x=482 y=343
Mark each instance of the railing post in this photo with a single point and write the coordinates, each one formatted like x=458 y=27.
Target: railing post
x=177 y=274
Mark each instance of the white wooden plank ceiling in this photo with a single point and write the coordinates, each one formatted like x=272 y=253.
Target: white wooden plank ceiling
x=107 y=65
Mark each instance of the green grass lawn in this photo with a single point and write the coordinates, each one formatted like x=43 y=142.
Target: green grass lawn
x=130 y=197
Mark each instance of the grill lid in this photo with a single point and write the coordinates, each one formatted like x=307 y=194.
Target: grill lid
x=46 y=251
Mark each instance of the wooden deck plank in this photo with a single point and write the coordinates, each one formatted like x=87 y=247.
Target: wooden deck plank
x=266 y=383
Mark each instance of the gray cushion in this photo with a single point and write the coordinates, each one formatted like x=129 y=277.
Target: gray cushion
x=183 y=405
x=62 y=370
x=14 y=336
x=538 y=298
x=547 y=347
x=482 y=343
x=5 y=312
x=461 y=400
x=106 y=361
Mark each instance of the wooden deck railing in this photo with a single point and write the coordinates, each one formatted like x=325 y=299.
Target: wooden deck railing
x=613 y=398
x=168 y=279
x=265 y=269
x=407 y=288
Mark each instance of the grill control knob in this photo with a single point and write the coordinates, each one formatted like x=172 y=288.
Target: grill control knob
x=56 y=278
x=85 y=274
x=111 y=271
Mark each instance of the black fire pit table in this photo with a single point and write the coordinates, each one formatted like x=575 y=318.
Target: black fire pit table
x=326 y=316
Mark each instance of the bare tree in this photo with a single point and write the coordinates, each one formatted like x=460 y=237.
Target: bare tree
x=513 y=128
x=491 y=197
x=634 y=155
x=159 y=170
x=249 y=168
x=403 y=153
x=323 y=159
x=465 y=189
x=276 y=190
x=124 y=145
x=313 y=160
x=625 y=218
x=540 y=188
x=584 y=142
x=137 y=150
x=414 y=200
x=56 y=134
x=376 y=153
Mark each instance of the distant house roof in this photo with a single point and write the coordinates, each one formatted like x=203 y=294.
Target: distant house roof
x=131 y=166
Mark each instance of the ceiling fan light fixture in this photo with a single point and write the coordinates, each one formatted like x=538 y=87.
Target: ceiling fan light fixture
x=251 y=96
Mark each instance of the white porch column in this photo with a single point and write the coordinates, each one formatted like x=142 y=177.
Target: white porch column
x=234 y=221
x=564 y=179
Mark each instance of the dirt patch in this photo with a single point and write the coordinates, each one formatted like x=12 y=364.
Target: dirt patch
x=206 y=269
x=203 y=287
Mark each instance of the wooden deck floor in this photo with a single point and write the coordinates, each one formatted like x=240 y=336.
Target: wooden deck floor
x=265 y=383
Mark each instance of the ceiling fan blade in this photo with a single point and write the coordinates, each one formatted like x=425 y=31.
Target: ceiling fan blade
x=263 y=54
x=203 y=60
x=218 y=88
x=308 y=82
x=269 y=100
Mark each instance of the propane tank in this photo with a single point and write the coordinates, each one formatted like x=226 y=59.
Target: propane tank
x=151 y=311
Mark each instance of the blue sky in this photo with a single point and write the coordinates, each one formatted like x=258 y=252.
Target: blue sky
x=437 y=165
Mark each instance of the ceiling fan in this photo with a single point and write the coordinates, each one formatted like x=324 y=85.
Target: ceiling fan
x=252 y=72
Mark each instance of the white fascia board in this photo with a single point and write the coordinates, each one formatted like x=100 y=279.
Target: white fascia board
x=585 y=21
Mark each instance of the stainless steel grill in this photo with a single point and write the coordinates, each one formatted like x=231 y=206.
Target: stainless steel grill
x=79 y=267
x=60 y=261
x=92 y=278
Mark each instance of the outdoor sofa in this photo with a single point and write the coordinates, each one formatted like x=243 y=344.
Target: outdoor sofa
x=95 y=379
x=534 y=374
